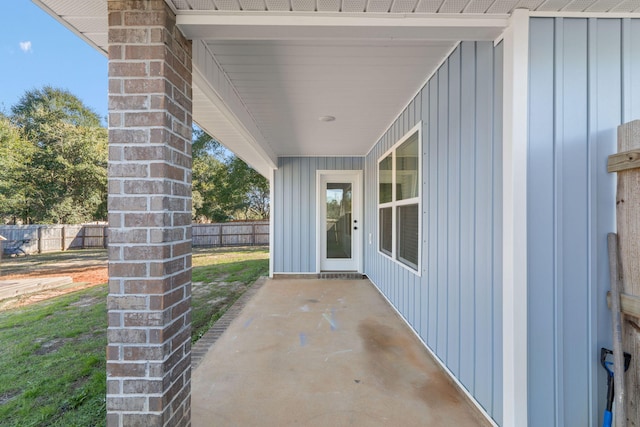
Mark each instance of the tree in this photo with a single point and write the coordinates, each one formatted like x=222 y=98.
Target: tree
x=225 y=187
x=208 y=173
x=15 y=154
x=70 y=170
x=64 y=178
x=248 y=193
x=40 y=107
x=208 y=182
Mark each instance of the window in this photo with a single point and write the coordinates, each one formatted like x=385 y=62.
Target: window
x=399 y=200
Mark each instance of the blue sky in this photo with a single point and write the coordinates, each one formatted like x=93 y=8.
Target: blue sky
x=36 y=50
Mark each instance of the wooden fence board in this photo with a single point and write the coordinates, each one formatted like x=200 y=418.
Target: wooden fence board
x=628 y=226
x=53 y=238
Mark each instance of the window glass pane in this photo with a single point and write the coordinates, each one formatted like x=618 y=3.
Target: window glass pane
x=338 y=213
x=384 y=174
x=386 y=230
x=407 y=233
x=407 y=169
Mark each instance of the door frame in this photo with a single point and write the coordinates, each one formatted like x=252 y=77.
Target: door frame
x=357 y=204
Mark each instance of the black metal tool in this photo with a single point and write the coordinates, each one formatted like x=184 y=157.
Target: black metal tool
x=608 y=366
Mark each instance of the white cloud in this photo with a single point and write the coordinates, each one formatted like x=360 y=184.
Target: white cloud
x=25 y=46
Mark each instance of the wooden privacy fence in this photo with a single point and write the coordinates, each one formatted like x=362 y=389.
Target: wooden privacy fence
x=254 y=233
x=626 y=163
x=53 y=238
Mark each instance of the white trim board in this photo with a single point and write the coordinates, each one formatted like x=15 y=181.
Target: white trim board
x=303 y=26
x=610 y=15
x=514 y=240
x=272 y=228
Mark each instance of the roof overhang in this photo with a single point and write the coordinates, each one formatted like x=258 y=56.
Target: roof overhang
x=265 y=71
x=266 y=83
x=324 y=26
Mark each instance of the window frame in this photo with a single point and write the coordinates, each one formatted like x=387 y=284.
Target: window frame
x=394 y=204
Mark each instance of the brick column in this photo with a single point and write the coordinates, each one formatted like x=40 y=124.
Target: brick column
x=149 y=335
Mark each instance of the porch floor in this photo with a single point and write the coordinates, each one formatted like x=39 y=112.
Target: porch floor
x=319 y=353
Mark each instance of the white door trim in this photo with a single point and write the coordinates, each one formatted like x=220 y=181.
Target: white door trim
x=357 y=207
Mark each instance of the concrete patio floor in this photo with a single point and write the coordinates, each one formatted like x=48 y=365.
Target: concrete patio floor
x=323 y=353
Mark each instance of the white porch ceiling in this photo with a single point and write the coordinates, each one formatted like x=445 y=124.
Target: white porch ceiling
x=266 y=70
x=288 y=85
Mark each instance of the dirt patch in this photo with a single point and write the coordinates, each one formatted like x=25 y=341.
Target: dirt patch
x=8 y=395
x=49 y=346
x=83 y=278
x=85 y=301
x=88 y=275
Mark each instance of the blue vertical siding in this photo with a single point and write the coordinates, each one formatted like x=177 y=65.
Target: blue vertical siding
x=584 y=82
x=455 y=304
x=294 y=204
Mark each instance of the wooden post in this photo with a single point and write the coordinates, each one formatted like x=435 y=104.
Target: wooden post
x=2 y=239
x=628 y=224
x=618 y=352
x=40 y=239
x=253 y=234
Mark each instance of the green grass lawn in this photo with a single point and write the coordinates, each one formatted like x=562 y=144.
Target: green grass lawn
x=219 y=278
x=52 y=354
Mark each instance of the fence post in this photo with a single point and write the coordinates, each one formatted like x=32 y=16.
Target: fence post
x=39 y=239
x=253 y=234
x=64 y=237
x=220 y=229
x=105 y=233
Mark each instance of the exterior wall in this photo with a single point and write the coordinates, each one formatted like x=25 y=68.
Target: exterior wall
x=455 y=305
x=584 y=82
x=149 y=303
x=294 y=210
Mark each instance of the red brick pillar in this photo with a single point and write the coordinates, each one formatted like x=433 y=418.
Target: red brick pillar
x=149 y=350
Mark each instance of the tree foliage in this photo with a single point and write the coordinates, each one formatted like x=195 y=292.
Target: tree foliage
x=59 y=174
x=53 y=167
x=14 y=156
x=224 y=187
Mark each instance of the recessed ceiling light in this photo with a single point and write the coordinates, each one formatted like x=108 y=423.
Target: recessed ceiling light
x=326 y=118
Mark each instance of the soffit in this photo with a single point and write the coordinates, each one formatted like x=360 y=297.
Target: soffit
x=408 y=6
x=288 y=85
x=86 y=18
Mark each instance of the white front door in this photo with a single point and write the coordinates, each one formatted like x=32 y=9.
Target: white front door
x=339 y=220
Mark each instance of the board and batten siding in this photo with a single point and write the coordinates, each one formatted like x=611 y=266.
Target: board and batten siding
x=455 y=304
x=294 y=210
x=584 y=82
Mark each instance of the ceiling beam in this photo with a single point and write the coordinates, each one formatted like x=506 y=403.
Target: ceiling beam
x=217 y=25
